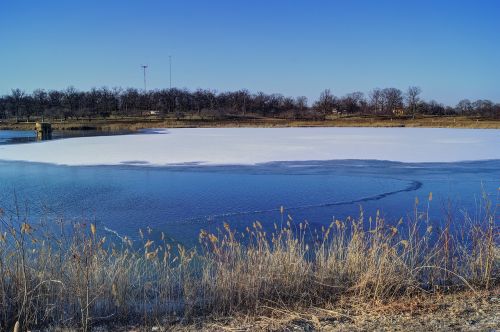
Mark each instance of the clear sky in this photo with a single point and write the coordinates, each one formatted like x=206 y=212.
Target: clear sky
x=449 y=48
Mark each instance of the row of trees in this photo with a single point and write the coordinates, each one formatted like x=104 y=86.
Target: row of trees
x=103 y=102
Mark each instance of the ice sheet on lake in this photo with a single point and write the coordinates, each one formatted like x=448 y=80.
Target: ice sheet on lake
x=260 y=145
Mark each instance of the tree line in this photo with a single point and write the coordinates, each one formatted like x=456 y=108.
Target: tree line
x=104 y=102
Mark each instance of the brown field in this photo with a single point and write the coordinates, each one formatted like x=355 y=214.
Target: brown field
x=134 y=123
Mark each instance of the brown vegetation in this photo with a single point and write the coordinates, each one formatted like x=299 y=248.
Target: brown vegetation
x=80 y=279
x=135 y=123
x=457 y=311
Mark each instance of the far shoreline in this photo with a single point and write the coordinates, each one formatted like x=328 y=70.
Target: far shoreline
x=137 y=123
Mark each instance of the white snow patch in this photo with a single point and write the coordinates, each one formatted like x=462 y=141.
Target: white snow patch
x=208 y=146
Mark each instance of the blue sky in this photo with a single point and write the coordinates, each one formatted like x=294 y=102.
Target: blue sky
x=451 y=49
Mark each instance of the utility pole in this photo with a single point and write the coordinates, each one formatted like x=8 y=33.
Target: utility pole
x=144 y=70
x=170 y=65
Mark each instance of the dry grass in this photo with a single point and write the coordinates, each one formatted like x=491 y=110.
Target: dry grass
x=457 y=311
x=193 y=121
x=75 y=277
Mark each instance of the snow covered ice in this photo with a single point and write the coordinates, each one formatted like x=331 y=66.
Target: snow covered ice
x=213 y=146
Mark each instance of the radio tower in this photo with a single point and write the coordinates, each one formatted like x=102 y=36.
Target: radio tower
x=144 y=70
x=170 y=71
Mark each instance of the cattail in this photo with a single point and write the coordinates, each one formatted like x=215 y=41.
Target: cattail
x=92 y=229
x=213 y=238
x=339 y=224
x=327 y=233
x=114 y=291
x=26 y=228
x=430 y=196
x=151 y=255
x=148 y=244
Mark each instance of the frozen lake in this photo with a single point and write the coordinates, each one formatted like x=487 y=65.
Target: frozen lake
x=209 y=146
x=243 y=175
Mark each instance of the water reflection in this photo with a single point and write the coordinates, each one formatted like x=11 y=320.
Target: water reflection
x=30 y=136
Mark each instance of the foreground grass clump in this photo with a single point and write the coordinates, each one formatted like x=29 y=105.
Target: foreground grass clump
x=77 y=278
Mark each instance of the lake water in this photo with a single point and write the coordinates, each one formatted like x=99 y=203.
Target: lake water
x=27 y=136
x=182 y=200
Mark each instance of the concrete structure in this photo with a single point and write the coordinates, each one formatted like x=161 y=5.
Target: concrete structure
x=43 y=131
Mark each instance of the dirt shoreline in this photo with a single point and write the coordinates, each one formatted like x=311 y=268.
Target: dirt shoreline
x=459 y=311
x=465 y=311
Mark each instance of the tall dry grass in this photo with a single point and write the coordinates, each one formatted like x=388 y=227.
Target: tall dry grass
x=77 y=277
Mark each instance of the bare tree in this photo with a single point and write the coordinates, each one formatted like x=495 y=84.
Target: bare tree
x=483 y=107
x=393 y=99
x=377 y=101
x=325 y=104
x=40 y=102
x=243 y=97
x=71 y=101
x=17 y=101
x=464 y=106
x=412 y=99
x=352 y=102
x=103 y=102
x=301 y=105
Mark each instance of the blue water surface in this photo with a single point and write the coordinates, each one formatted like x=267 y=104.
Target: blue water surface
x=29 y=136
x=17 y=136
x=182 y=200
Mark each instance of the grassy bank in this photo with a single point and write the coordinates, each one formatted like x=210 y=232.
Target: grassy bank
x=134 y=123
x=78 y=278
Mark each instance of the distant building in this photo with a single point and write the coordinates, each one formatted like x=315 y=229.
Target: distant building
x=154 y=112
x=398 y=111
